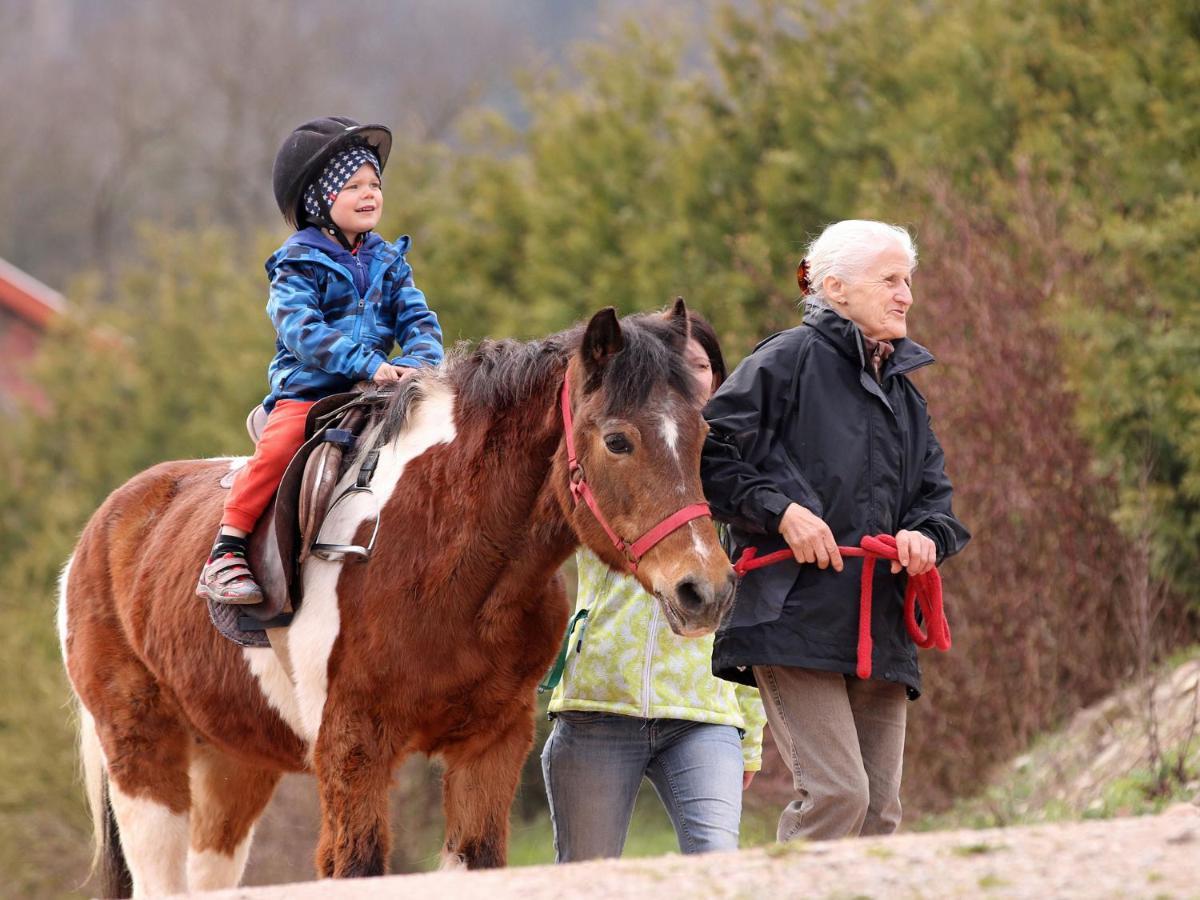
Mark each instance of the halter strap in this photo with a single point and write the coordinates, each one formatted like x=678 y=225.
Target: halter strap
x=580 y=489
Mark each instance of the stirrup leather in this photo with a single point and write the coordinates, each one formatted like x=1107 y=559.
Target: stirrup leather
x=362 y=485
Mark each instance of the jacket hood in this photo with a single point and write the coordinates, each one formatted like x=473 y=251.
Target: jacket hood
x=316 y=239
x=309 y=242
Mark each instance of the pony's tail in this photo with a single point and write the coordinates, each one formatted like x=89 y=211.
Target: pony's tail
x=108 y=860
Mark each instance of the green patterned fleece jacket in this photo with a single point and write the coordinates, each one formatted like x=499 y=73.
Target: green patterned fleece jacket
x=625 y=659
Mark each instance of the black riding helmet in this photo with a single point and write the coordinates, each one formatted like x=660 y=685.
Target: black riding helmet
x=307 y=150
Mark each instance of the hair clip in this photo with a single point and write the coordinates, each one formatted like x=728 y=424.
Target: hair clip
x=806 y=287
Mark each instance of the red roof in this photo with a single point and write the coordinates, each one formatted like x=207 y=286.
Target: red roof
x=25 y=296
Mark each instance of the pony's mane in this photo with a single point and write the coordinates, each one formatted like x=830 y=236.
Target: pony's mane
x=500 y=374
x=496 y=375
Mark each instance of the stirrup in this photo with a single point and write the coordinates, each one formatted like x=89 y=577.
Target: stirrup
x=333 y=552
x=362 y=485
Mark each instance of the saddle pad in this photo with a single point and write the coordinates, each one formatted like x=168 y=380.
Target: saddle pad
x=225 y=617
x=268 y=572
x=285 y=515
x=275 y=543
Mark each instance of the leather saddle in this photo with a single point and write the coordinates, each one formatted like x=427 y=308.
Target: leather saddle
x=290 y=529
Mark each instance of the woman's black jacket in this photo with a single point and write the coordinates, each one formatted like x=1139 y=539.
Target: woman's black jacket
x=802 y=420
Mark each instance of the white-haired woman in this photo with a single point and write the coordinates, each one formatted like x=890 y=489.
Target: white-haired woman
x=817 y=439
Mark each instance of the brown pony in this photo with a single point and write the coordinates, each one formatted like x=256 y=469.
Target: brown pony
x=434 y=646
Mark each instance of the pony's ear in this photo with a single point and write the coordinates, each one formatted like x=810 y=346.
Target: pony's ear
x=678 y=319
x=601 y=342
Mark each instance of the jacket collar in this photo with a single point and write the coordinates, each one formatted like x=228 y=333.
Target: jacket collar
x=316 y=239
x=848 y=339
x=310 y=245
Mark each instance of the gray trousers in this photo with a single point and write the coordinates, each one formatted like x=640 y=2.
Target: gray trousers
x=844 y=741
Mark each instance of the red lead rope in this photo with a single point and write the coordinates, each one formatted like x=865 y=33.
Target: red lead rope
x=925 y=588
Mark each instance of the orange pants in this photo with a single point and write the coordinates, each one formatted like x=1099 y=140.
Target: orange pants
x=258 y=480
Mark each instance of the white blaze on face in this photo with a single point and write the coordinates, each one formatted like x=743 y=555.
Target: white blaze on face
x=698 y=544
x=312 y=633
x=663 y=581
x=669 y=429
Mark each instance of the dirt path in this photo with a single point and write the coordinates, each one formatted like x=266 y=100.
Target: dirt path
x=1153 y=856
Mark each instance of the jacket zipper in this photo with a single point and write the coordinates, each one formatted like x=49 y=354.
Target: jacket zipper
x=651 y=643
x=874 y=517
x=358 y=313
x=362 y=301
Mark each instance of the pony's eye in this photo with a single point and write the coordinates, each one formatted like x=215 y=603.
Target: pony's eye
x=618 y=443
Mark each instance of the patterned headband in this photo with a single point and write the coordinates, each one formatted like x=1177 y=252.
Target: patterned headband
x=320 y=194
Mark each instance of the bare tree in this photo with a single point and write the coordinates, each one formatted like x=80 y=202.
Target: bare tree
x=171 y=112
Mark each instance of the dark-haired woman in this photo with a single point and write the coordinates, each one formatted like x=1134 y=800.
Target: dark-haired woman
x=636 y=701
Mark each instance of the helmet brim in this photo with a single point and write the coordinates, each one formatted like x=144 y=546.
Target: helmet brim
x=377 y=137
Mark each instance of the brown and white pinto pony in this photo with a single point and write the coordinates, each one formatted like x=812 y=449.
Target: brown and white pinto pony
x=434 y=646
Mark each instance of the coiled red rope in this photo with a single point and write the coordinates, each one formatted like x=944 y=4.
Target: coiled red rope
x=925 y=589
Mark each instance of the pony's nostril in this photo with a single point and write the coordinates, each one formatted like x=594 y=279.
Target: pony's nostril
x=691 y=596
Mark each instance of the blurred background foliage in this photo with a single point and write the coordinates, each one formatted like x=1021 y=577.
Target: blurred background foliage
x=1045 y=154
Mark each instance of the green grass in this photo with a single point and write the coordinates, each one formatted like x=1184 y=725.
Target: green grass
x=1142 y=792
x=1008 y=802
x=1146 y=791
x=991 y=882
x=979 y=849
x=650 y=834
x=791 y=848
x=1024 y=795
x=1180 y=656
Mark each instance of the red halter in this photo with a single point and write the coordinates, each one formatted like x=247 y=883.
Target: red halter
x=634 y=551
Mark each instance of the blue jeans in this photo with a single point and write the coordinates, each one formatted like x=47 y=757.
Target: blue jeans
x=593 y=764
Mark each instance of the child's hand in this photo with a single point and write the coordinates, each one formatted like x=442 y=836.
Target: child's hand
x=387 y=372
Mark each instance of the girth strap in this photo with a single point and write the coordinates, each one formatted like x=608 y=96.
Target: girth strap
x=249 y=623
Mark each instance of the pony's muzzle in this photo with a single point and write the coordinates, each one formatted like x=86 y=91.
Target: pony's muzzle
x=699 y=604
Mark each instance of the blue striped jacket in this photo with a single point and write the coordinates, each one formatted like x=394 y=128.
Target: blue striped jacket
x=337 y=315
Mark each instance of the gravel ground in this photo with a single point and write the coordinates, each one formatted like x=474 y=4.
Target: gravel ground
x=1151 y=856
